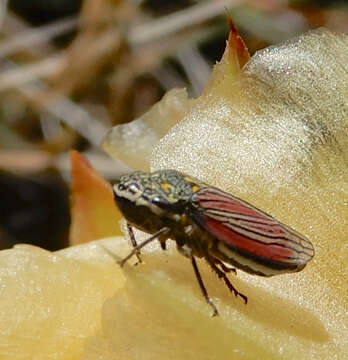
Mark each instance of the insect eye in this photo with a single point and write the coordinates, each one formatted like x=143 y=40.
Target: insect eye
x=121 y=187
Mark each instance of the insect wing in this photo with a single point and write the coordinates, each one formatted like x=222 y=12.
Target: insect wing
x=249 y=231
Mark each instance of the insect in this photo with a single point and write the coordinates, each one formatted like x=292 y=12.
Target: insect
x=208 y=223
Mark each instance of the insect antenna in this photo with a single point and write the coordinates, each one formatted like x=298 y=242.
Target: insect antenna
x=223 y=276
x=136 y=249
x=202 y=287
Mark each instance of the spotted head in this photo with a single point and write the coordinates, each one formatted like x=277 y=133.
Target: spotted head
x=151 y=197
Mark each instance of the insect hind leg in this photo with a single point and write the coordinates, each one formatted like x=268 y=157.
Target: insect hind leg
x=224 y=268
x=222 y=275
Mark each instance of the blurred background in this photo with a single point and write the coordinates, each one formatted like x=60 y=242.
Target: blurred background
x=71 y=69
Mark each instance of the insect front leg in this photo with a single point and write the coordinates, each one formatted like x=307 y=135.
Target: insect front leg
x=223 y=276
x=134 y=243
x=135 y=251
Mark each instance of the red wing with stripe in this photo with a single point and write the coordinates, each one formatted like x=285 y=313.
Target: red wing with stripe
x=252 y=240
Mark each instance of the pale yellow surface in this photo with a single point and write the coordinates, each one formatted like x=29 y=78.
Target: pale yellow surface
x=278 y=138
x=50 y=302
x=132 y=142
x=78 y=304
x=275 y=136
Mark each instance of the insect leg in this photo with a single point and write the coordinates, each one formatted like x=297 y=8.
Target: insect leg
x=223 y=276
x=136 y=249
x=201 y=285
x=224 y=267
x=134 y=242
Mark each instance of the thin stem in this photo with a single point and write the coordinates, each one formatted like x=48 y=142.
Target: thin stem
x=33 y=37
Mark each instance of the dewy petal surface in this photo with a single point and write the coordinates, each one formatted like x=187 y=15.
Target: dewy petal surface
x=278 y=138
x=132 y=142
